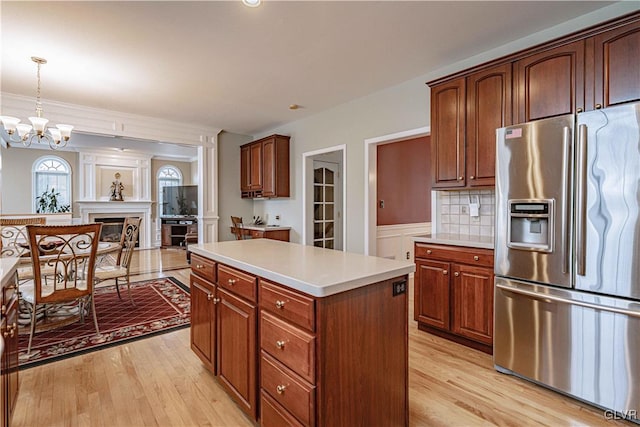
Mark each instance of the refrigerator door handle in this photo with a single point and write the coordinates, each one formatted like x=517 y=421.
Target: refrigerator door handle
x=559 y=299
x=566 y=138
x=581 y=200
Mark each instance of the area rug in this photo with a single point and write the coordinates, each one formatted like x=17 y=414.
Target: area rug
x=161 y=305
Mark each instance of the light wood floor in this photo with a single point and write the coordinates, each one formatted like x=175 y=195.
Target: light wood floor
x=160 y=382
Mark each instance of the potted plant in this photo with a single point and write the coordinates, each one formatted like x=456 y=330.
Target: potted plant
x=47 y=202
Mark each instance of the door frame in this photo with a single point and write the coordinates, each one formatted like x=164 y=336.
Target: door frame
x=371 y=180
x=307 y=161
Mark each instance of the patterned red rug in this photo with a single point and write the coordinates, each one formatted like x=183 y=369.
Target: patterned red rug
x=162 y=305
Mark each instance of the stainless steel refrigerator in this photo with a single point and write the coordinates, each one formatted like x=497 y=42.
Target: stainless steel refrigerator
x=567 y=256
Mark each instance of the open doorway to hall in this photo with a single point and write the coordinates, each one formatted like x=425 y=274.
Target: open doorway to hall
x=324 y=198
x=398 y=196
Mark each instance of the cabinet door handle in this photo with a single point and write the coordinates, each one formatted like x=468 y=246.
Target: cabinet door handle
x=579 y=110
x=456 y=274
x=209 y=297
x=280 y=389
x=472 y=177
x=445 y=272
x=460 y=178
x=428 y=251
x=476 y=258
x=598 y=106
x=280 y=344
x=3 y=309
x=279 y=304
x=231 y=282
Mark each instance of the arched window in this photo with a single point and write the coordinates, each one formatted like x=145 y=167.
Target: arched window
x=168 y=176
x=51 y=185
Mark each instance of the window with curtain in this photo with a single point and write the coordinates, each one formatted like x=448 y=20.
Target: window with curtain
x=168 y=176
x=51 y=185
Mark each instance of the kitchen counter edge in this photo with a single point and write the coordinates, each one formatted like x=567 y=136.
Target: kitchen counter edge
x=334 y=280
x=482 y=242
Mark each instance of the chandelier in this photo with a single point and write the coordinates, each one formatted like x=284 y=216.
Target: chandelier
x=56 y=137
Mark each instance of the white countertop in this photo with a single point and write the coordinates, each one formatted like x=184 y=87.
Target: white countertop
x=264 y=227
x=484 y=242
x=314 y=271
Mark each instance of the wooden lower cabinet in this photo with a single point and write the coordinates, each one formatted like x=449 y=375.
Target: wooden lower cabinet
x=237 y=356
x=9 y=359
x=454 y=293
x=203 y=320
x=331 y=361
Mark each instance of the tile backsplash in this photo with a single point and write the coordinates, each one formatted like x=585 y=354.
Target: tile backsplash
x=452 y=210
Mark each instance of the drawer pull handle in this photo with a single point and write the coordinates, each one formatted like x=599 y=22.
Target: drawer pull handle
x=11 y=331
x=279 y=304
x=428 y=251
x=231 y=282
x=280 y=389
x=216 y=300
x=280 y=344
x=445 y=272
x=476 y=258
x=199 y=266
x=456 y=274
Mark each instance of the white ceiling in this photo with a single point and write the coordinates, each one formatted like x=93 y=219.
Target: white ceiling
x=223 y=65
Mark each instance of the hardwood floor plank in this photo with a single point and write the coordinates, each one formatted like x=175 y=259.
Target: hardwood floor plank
x=159 y=381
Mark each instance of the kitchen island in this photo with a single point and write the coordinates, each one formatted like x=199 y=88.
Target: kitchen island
x=326 y=330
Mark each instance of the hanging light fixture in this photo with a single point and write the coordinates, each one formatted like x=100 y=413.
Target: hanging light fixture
x=56 y=137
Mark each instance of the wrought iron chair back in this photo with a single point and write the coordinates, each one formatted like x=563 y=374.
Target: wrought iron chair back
x=13 y=235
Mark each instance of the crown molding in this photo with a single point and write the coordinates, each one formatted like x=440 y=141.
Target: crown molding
x=110 y=123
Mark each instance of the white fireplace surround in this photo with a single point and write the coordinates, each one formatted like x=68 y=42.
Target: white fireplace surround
x=106 y=209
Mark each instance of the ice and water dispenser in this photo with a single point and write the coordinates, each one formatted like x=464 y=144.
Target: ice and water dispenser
x=531 y=225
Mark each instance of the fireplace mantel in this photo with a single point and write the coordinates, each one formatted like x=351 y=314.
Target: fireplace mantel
x=90 y=209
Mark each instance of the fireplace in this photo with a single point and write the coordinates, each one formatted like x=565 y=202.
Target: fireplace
x=112 y=229
x=112 y=213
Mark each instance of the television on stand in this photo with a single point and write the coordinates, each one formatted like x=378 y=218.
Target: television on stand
x=180 y=201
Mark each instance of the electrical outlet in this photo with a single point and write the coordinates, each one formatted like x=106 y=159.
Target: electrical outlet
x=277 y=217
x=399 y=288
x=408 y=255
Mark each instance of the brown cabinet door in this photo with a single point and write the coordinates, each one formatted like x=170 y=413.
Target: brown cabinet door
x=245 y=168
x=616 y=70
x=236 y=352
x=432 y=293
x=488 y=108
x=473 y=302
x=166 y=235
x=255 y=174
x=448 y=134
x=203 y=321
x=269 y=167
x=11 y=355
x=550 y=83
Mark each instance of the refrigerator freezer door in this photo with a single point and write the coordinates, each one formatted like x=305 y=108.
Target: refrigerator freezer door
x=534 y=172
x=608 y=201
x=584 y=345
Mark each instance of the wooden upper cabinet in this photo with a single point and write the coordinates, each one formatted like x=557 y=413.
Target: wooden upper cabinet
x=448 y=133
x=550 y=83
x=616 y=68
x=264 y=167
x=488 y=108
x=275 y=152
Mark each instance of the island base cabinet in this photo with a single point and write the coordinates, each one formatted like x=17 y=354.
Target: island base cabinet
x=203 y=321
x=237 y=356
x=9 y=360
x=362 y=357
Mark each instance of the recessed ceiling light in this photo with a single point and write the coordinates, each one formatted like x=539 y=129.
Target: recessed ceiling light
x=252 y=3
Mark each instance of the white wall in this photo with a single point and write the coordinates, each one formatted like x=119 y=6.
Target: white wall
x=399 y=108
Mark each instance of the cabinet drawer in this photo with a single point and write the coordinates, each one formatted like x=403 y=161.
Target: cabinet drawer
x=465 y=255
x=274 y=415
x=203 y=267
x=288 y=304
x=286 y=388
x=256 y=234
x=236 y=281
x=290 y=345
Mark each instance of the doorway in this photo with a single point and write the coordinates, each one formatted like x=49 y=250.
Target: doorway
x=324 y=198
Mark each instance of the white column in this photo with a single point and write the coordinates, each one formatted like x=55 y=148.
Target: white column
x=208 y=191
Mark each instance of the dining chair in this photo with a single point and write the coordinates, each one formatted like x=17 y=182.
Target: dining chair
x=67 y=294
x=236 y=228
x=122 y=266
x=14 y=241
